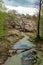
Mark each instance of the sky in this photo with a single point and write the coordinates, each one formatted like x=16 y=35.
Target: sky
x=22 y=6
x=24 y=3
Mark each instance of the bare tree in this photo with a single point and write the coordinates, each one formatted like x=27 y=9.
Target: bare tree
x=38 y=34
x=39 y=15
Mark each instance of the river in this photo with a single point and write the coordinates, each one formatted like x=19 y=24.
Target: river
x=16 y=59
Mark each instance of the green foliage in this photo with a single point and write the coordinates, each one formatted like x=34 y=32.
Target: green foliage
x=2 y=20
x=28 y=16
x=1 y=54
x=2 y=6
x=41 y=23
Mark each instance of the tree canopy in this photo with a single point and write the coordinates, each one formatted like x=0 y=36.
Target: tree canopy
x=2 y=6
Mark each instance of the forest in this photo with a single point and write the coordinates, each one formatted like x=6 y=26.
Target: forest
x=17 y=32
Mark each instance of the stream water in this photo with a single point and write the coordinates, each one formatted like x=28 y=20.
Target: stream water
x=16 y=59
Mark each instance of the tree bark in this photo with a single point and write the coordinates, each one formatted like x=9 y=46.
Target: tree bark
x=38 y=33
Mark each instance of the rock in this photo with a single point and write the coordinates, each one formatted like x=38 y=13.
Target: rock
x=1 y=61
x=28 y=25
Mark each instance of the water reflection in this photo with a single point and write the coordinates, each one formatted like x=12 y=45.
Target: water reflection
x=27 y=58
x=21 y=58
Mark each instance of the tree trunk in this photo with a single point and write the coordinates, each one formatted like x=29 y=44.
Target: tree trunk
x=38 y=33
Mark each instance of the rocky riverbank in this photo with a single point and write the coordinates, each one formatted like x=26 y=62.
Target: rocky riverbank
x=7 y=43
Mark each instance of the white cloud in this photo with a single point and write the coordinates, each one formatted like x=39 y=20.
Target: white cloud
x=23 y=10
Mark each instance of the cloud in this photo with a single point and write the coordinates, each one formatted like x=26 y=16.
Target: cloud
x=23 y=10
x=11 y=2
x=24 y=3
